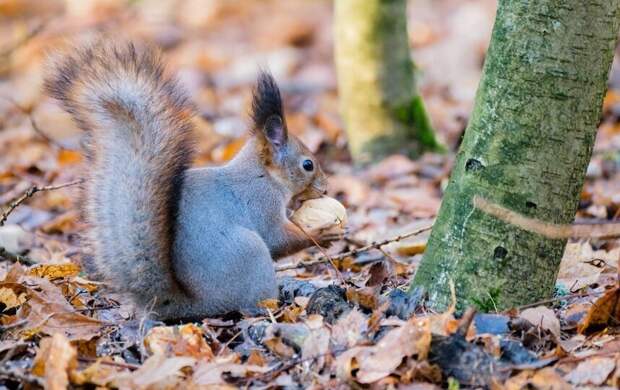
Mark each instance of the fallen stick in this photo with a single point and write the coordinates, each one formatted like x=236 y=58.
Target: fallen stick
x=547 y=229
x=29 y=193
x=373 y=245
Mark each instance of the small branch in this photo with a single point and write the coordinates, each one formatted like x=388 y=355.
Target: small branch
x=325 y=255
x=549 y=230
x=15 y=258
x=466 y=321
x=33 y=123
x=25 y=39
x=17 y=375
x=373 y=245
x=129 y=366
x=558 y=299
x=29 y=193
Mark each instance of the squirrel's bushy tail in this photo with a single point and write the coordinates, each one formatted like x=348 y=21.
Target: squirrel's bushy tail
x=139 y=128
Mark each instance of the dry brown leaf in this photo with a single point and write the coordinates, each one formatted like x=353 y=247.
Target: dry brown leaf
x=545 y=379
x=604 y=310
x=350 y=329
x=378 y=272
x=316 y=345
x=10 y=299
x=69 y=157
x=55 y=360
x=256 y=358
x=158 y=371
x=271 y=304
x=55 y=271
x=411 y=249
x=594 y=371
x=280 y=337
x=184 y=340
x=378 y=361
x=544 y=317
x=99 y=373
x=291 y=314
x=575 y=271
x=49 y=312
x=210 y=373
x=65 y=222
x=365 y=297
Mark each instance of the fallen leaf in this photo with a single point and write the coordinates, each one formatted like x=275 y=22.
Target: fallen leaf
x=210 y=373
x=271 y=304
x=49 y=312
x=55 y=271
x=350 y=329
x=316 y=344
x=10 y=299
x=184 y=340
x=365 y=297
x=69 y=157
x=99 y=373
x=545 y=379
x=544 y=317
x=603 y=311
x=575 y=271
x=594 y=371
x=54 y=361
x=378 y=361
x=411 y=249
x=158 y=371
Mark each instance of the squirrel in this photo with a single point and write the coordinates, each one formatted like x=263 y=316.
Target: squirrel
x=181 y=242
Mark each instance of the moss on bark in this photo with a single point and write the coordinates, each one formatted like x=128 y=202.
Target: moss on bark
x=526 y=147
x=379 y=101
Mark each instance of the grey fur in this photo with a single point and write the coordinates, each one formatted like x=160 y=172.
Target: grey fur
x=183 y=243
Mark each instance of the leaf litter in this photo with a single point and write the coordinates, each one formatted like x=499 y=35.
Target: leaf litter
x=58 y=328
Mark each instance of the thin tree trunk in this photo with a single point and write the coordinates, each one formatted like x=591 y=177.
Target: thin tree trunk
x=526 y=148
x=381 y=107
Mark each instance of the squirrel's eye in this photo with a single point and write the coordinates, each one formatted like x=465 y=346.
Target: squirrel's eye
x=308 y=165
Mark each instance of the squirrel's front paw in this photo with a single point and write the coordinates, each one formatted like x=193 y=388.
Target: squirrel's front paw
x=325 y=237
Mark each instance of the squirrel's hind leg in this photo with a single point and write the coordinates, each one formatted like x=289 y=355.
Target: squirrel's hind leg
x=234 y=273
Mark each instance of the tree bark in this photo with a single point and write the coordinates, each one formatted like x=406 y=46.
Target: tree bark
x=381 y=107
x=526 y=148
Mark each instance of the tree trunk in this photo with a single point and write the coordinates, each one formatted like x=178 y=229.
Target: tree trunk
x=381 y=107
x=526 y=148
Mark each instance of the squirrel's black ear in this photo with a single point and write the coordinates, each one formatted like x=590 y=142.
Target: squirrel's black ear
x=267 y=113
x=275 y=132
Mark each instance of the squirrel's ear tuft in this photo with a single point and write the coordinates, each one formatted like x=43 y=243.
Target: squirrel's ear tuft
x=268 y=118
x=267 y=113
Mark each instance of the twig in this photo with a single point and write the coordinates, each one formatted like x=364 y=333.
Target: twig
x=547 y=229
x=373 y=245
x=15 y=258
x=466 y=321
x=29 y=193
x=557 y=299
x=25 y=39
x=33 y=123
x=129 y=366
x=325 y=255
x=20 y=376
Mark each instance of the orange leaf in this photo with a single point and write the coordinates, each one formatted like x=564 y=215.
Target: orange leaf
x=603 y=311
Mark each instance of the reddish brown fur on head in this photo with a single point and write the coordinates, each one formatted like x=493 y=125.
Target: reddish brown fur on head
x=284 y=155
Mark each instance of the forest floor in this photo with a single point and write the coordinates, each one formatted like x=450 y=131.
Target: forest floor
x=58 y=328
